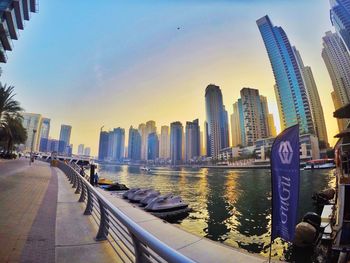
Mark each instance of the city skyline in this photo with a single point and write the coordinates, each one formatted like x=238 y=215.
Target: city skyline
x=235 y=58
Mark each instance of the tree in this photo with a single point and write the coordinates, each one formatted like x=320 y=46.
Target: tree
x=8 y=106
x=13 y=131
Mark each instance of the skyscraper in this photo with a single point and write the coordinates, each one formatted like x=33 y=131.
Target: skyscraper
x=134 y=145
x=32 y=123
x=143 y=133
x=264 y=121
x=337 y=61
x=340 y=18
x=314 y=100
x=176 y=131
x=192 y=138
x=290 y=90
x=235 y=126
x=45 y=128
x=150 y=128
x=44 y=134
x=255 y=111
x=164 y=143
x=81 y=149
x=216 y=125
x=116 y=144
x=103 y=145
x=225 y=130
x=87 y=151
x=272 y=127
x=153 y=146
x=65 y=137
x=202 y=142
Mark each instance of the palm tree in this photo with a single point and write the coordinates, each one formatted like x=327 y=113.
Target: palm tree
x=13 y=131
x=11 y=128
x=7 y=103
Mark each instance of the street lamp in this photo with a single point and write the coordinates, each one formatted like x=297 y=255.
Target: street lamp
x=31 y=147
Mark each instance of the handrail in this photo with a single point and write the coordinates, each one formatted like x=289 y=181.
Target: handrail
x=146 y=247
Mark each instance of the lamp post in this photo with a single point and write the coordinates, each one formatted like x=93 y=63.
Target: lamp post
x=31 y=147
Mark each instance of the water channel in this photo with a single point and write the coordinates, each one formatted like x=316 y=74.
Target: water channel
x=229 y=206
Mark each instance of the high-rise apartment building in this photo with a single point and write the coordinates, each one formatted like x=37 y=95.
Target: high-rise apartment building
x=202 y=144
x=116 y=144
x=164 y=143
x=216 y=125
x=340 y=18
x=153 y=146
x=150 y=128
x=134 y=145
x=192 y=140
x=176 y=132
x=12 y=16
x=290 y=89
x=337 y=61
x=225 y=142
x=272 y=127
x=235 y=126
x=255 y=112
x=81 y=149
x=87 y=151
x=32 y=123
x=103 y=145
x=44 y=134
x=65 y=134
x=143 y=133
x=314 y=101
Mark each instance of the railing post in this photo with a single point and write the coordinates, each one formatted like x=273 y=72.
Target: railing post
x=79 y=185
x=83 y=192
x=89 y=204
x=74 y=179
x=138 y=249
x=104 y=223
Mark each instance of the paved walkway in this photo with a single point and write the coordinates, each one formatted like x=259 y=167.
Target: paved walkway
x=22 y=189
x=41 y=220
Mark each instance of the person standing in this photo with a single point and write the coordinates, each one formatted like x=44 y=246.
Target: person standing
x=96 y=179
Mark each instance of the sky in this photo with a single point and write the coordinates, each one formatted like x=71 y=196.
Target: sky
x=122 y=63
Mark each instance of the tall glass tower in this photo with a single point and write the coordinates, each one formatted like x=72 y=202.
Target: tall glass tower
x=65 y=137
x=290 y=89
x=340 y=18
x=216 y=121
x=176 y=132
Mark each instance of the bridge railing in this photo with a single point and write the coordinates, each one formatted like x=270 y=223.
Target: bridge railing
x=131 y=242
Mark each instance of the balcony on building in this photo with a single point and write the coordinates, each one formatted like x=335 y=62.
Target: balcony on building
x=34 y=6
x=4 y=34
x=10 y=18
x=26 y=13
x=3 y=57
x=19 y=12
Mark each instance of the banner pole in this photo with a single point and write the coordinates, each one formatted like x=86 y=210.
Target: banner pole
x=270 y=250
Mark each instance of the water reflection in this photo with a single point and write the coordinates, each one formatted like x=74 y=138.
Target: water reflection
x=230 y=206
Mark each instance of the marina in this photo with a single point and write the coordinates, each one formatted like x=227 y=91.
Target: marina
x=228 y=206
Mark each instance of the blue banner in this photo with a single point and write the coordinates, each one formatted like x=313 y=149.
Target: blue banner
x=285 y=173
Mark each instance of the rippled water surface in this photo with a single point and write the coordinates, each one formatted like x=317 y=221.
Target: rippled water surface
x=230 y=206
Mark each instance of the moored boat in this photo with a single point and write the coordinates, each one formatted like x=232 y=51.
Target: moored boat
x=141 y=194
x=320 y=164
x=166 y=203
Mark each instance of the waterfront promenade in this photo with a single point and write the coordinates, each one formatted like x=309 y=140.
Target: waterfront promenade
x=41 y=221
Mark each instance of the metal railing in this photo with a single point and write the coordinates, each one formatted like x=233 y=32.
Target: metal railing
x=131 y=242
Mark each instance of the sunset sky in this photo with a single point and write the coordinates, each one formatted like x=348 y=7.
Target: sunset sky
x=120 y=63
